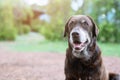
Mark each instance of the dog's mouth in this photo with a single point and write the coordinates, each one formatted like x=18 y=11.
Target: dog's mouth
x=78 y=45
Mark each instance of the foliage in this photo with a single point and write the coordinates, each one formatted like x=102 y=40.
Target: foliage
x=7 y=29
x=10 y=26
x=35 y=25
x=59 y=12
x=8 y=34
x=23 y=29
x=52 y=31
x=106 y=14
x=110 y=36
x=107 y=18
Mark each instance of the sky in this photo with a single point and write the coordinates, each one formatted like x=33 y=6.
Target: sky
x=75 y=5
x=37 y=2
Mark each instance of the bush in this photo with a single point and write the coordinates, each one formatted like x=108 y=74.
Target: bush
x=7 y=29
x=26 y=29
x=35 y=25
x=53 y=30
x=8 y=34
x=23 y=29
x=117 y=35
x=108 y=32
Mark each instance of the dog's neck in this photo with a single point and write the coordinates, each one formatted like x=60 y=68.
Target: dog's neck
x=95 y=59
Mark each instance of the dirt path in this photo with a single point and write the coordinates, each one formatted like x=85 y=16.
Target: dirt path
x=40 y=66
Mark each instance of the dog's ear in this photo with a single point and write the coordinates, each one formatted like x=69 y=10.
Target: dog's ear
x=95 y=28
x=66 y=27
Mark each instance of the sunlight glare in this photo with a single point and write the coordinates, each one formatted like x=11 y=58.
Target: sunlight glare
x=76 y=4
x=37 y=2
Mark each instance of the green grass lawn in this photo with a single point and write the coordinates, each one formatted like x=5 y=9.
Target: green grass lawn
x=108 y=49
x=44 y=46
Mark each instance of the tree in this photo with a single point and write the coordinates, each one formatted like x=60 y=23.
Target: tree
x=59 y=11
x=7 y=30
x=9 y=22
x=106 y=14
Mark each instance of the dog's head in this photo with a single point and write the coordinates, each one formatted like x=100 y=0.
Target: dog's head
x=81 y=30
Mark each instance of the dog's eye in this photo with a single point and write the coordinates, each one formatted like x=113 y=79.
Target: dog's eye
x=72 y=23
x=84 y=22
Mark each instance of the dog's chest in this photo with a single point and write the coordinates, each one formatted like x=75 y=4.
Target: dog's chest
x=87 y=73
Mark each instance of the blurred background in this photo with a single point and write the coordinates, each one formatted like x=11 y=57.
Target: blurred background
x=32 y=46
x=38 y=25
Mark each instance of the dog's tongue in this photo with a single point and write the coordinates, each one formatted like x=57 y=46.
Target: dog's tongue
x=78 y=46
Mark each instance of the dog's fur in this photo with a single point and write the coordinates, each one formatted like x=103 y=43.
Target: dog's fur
x=83 y=56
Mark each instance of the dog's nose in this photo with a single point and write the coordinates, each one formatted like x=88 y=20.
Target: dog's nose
x=75 y=34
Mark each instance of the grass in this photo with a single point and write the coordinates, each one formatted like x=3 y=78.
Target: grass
x=108 y=49
x=44 y=46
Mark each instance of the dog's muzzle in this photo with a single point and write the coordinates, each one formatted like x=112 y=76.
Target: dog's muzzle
x=77 y=44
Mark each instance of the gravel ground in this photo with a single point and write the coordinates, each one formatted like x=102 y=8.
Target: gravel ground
x=40 y=66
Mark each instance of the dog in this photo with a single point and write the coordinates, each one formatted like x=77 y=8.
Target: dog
x=83 y=56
